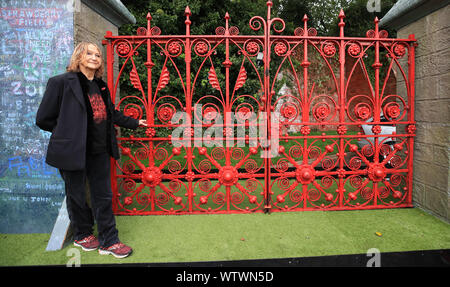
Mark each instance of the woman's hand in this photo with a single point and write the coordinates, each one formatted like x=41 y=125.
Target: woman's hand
x=143 y=123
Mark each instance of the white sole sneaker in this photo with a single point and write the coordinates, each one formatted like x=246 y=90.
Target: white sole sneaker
x=106 y=252
x=84 y=248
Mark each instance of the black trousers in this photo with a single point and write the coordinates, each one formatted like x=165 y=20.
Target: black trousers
x=97 y=175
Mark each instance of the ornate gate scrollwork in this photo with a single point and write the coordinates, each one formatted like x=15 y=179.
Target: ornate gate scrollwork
x=269 y=149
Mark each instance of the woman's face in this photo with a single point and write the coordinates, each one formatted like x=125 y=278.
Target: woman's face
x=92 y=59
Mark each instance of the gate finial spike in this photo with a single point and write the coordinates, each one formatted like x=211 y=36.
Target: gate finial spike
x=305 y=18
x=149 y=17
x=187 y=11
x=376 y=26
x=341 y=23
x=227 y=17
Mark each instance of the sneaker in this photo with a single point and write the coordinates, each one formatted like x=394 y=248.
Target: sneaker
x=88 y=243
x=118 y=250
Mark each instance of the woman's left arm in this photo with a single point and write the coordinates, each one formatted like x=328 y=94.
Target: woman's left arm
x=126 y=122
x=119 y=118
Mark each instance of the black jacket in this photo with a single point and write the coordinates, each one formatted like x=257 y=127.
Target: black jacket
x=64 y=113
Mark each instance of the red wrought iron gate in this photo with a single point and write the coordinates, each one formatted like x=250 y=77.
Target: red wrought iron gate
x=313 y=143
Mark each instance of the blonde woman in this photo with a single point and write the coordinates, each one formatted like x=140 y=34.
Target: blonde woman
x=77 y=109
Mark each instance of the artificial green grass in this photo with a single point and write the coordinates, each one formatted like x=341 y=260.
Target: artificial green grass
x=190 y=238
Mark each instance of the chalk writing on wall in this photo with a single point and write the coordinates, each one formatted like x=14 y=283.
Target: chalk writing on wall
x=36 y=41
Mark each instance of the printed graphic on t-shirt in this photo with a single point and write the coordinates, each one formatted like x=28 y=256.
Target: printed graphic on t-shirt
x=98 y=108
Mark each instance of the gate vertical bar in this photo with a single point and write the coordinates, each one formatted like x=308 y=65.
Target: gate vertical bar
x=110 y=80
x=149 y=64
x=187 y=22
x=411 y=98
x=149 y=109
x=268 y=101
x=227 y=64
x=305 y=107
x=342 y=101
x=376 y=117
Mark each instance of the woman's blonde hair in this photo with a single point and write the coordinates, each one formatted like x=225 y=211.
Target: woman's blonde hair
x=78 y=53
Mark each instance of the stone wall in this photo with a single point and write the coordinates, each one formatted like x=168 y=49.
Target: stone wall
x=90 y=26
x=432 y=111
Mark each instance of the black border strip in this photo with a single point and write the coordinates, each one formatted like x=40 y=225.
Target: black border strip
x=420 y=258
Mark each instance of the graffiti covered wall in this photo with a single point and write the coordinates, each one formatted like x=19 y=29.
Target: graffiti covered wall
x=36 y=41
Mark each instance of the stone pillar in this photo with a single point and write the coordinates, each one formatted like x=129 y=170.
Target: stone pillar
x=432 y=113
x=91 y=20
